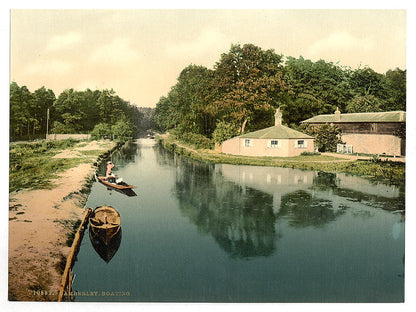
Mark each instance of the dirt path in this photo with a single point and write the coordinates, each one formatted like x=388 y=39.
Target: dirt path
x=40 y=223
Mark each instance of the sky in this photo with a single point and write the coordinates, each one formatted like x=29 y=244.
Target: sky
x=140 y=53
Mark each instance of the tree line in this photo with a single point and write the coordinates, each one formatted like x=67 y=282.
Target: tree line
x=101 y=113
x=248 y=83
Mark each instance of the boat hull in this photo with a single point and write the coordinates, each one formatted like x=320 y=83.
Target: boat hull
x=105 y=223
x=119 y=186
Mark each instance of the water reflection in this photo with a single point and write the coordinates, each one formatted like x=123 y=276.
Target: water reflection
x=105 y=251
x=240 y=219
x=127 y=192
x=303 y=209
x=128 y=153
x=240 y=205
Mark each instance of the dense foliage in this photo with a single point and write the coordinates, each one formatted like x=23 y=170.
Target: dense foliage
x=248 y=83
x=71 y=112
x=326 y=136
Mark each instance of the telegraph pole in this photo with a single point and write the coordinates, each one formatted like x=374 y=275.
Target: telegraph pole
x=47 y=122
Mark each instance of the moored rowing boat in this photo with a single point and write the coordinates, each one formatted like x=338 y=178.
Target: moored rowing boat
x=105 y=222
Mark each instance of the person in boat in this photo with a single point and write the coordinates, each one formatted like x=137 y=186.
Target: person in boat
x=109 y=174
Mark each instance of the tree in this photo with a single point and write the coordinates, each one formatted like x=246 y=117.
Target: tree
x=365 y=81
x=396 y=83
x=101 y=131
x=42 y=100
x=165 y=114
x=224 y=131
x=366 y=103
x=314 y=88
x=20 y=107
x=326 y=136
x=247 y=82
x=188 y=97
x=122 y=130
x=67 y=111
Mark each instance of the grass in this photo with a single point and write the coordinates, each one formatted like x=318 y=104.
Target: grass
x=393 y=172
x=32 y=165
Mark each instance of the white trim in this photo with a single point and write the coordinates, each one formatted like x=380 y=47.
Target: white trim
x=270 y=145
x=249 y=141
x=304 y=145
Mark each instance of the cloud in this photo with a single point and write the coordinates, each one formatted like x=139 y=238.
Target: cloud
x=340 y=43
x=48 y=67
x=208 y=40
x=60 y=42
x=117 y=52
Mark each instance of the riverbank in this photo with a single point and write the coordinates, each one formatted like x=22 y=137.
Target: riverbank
x=384 y=169
x=45 y=213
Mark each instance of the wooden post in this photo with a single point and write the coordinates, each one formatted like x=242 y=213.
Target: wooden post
x=69 y=284
x=71 y=257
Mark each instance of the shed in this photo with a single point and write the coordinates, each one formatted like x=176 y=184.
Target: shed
x=370 y=133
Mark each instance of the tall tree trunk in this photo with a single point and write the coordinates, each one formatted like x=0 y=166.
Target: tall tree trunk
x=243 y=126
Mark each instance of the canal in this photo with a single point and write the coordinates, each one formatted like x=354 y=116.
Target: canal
x=198 y=232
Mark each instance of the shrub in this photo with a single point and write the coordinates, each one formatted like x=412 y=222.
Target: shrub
x=326 y=136
x=100 y=131
x=310 y=154
x=224 y=131
x=197 y=140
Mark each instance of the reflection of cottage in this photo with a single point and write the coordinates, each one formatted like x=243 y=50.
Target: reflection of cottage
x=278 y=140
x=271 y=180
x=370 y=133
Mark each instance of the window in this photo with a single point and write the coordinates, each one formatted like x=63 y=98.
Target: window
x=273 y=144
x=247 y=143
x=301 y=144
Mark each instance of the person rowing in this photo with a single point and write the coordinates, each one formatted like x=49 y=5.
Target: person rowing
x=109 y=173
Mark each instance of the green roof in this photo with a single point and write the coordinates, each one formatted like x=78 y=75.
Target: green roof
x=396 y=116
x=276 y=132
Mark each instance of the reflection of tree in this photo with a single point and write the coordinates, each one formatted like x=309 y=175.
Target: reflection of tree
x=128 y=153
x=324 y=180
x=304 y=210
x=240 y=219
x=330 y=181
x=385 y=203
x=164 y=157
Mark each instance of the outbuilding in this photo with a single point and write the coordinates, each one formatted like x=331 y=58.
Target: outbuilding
x=368 y=133
x=279 y=140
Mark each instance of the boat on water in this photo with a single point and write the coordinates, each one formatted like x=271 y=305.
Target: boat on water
x=105 y=223
x=117 y=185
x=105 y=251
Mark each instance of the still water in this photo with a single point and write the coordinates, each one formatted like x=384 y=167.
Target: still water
x=224 y=233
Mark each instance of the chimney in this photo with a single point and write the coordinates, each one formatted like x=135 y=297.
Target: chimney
x=337 y=115
x=278 y=117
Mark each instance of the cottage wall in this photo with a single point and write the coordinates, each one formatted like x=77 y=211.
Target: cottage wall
x=231 y=146
x=260 y=147
x=374 y=143
x=294 y=151
x=365 y=127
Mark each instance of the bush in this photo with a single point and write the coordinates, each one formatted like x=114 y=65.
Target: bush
x=326 y=136
x=224 y=131
x=122 y=130
x=197 y=140
x=100 y=131
x=310 y=154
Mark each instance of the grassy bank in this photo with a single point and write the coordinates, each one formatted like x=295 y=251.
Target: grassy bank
x=393 y=172
x=33 y=165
